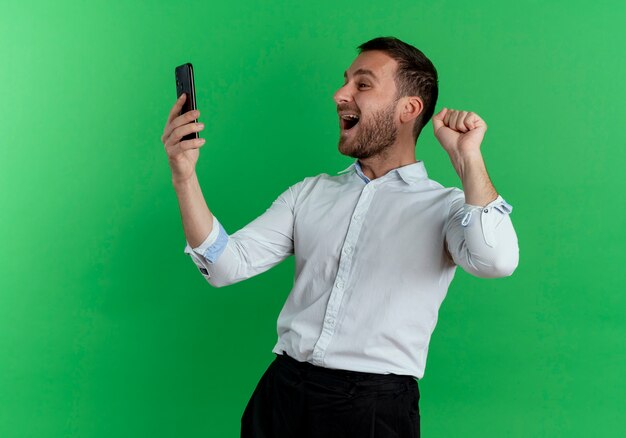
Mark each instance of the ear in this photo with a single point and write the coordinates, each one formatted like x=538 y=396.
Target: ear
x=411 y=109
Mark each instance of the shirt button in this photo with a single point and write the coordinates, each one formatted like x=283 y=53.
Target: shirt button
x=357 y=217
x=347 y=250
x=486 y=210
x=339 y=284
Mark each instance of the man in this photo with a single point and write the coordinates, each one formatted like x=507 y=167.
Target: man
x=375 y=247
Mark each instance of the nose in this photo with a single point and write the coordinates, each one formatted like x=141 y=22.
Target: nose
x=342 y=95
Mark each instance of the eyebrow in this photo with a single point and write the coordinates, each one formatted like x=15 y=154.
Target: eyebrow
x=362 y=71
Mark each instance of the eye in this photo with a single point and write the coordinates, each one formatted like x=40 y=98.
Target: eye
x=365 y=85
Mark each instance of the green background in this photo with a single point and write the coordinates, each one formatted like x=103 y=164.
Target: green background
x=107 y=329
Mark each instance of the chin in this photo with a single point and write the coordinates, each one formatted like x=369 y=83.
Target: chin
x=345 y=150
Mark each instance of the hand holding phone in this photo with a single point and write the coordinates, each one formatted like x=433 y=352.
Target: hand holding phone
x=180 y=135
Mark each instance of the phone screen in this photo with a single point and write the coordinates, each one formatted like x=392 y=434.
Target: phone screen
x=185 y=84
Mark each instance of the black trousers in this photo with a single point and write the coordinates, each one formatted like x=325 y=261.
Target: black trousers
x=300 y=400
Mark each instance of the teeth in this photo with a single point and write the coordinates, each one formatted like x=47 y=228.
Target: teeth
x=350 y=116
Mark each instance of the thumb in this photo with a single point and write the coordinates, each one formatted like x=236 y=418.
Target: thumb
x=438 y=119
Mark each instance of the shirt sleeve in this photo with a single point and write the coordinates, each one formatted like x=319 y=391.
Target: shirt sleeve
x=210 y=249
x=481 y=239
x=255 y=248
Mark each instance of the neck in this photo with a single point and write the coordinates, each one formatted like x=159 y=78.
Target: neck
x=377 y=166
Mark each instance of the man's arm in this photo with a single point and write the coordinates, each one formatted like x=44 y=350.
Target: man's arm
x=477 y=186
x=481 y=239
x=182 y=157
x=221 y=258
x=461 y=134
x=486 y=245
x=255 y=248
x=225 y=259
x=196 y=216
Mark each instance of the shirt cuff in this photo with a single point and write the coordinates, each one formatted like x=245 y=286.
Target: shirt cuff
x=213 y=245
x=489 y=220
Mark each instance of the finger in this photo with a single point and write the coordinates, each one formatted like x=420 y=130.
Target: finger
x=453 y=119
x=183 y=130
x=183 y=119
x=440 y=115
x=460 y=122
x=175 y=111
x=446 y=119
x=438 y=119
x=194 y=143
x=179 y=148
x=470 y=120
x=478 y=122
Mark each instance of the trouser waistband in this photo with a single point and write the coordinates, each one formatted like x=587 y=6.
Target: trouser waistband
x=346 y=379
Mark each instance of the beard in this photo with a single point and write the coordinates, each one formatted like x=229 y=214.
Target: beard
x=372 y=136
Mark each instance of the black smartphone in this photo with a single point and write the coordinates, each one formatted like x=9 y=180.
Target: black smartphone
x=184 y=84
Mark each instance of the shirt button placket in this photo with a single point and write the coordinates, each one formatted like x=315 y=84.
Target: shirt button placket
x=345 y=263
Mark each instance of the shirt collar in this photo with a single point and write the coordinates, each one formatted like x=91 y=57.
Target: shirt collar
x=409 y=173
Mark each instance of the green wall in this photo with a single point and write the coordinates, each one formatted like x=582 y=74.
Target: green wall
x=107 y=329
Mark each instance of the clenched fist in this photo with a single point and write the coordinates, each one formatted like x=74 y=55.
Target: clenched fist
x=459 y=132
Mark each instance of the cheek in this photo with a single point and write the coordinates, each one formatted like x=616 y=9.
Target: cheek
x=362 y=107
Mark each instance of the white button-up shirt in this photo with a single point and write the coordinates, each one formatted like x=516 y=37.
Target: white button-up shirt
x=374 y=259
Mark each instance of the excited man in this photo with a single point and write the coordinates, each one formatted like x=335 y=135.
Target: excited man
x=375 y=248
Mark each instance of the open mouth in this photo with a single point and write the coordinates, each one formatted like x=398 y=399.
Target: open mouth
x=348 y=121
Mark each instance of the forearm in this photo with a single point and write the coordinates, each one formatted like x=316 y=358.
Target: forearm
x=477 y=186
x=196 y=216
